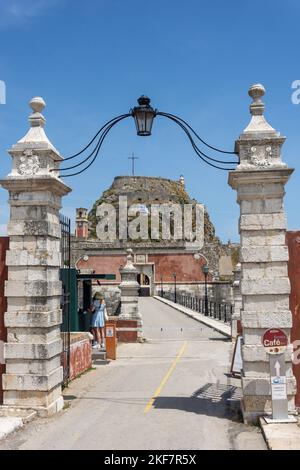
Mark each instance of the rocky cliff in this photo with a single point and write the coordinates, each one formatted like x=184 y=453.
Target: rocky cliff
x=146 y=191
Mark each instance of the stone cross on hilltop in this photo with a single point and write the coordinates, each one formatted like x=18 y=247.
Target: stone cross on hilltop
x=133 y=158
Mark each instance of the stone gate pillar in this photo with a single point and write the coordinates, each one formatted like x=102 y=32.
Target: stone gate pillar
x=129 y=294
x=259 y=181
x=33 y=290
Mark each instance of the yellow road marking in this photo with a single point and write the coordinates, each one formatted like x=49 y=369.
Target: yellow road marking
x=166 y=378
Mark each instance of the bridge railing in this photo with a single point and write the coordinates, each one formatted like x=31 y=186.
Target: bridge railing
x=219 y=310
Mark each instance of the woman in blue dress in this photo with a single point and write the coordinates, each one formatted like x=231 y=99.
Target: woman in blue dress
x=98 y=320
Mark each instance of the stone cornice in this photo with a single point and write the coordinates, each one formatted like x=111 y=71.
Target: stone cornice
x=38 y=183
x=41 y=148
x=271 y=175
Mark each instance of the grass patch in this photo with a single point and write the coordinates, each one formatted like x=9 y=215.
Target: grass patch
x=78 y=377
x=84 y=372
x=67 y=405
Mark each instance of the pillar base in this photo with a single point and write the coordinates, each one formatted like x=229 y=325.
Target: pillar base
x=251 y=417
x=254 y=407
x=52 y=409
x=45 y=403
x=130 y=328
x=290 y=419
x=27 y=413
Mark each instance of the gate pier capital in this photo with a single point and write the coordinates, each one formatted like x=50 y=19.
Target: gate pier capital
x=260 y=180
x=33 y=350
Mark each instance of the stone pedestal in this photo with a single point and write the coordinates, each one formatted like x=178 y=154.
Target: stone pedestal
x=33 y=290
x=129 y=293
x=237 y=302
x=259 y=181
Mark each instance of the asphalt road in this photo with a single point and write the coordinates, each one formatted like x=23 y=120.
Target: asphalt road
x=171 y=392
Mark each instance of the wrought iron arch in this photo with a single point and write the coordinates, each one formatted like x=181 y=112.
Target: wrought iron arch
x=143 y=116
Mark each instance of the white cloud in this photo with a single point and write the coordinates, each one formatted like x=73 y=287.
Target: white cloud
x=70 y=211
x=4 y=216
x=19 y=12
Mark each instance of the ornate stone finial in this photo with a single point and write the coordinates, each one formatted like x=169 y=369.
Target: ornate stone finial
x=259 y=146
x=256 y=92
x=129 y=255
x=37 y=105
x=36 y=133
x=129 y=266
x=258 y=124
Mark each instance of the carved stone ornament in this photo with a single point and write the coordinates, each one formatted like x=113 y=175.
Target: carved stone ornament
x=259 y=158
x=29 y=164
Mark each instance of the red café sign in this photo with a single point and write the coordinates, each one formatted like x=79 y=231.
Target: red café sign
x=274 y=341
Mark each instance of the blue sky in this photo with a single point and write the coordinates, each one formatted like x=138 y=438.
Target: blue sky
x=91 y=60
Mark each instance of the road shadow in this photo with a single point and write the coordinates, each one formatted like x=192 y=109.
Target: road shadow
x=70 y=397
x=217 y=400
x=224 y=339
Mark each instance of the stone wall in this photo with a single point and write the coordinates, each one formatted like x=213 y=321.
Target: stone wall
x=80 y=354
x=109 y=263
x=187 y=268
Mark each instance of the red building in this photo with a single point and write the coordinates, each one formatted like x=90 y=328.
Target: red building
x=293 y=242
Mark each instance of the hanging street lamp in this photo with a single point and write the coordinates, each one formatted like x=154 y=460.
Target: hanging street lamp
x=143 y=116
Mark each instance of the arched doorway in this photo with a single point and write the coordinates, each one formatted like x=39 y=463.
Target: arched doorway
x=144 y=282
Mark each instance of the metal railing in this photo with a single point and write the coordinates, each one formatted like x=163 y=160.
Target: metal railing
x=221 y=311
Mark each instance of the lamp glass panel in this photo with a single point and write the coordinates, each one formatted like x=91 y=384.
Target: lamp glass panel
x=143 y=121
